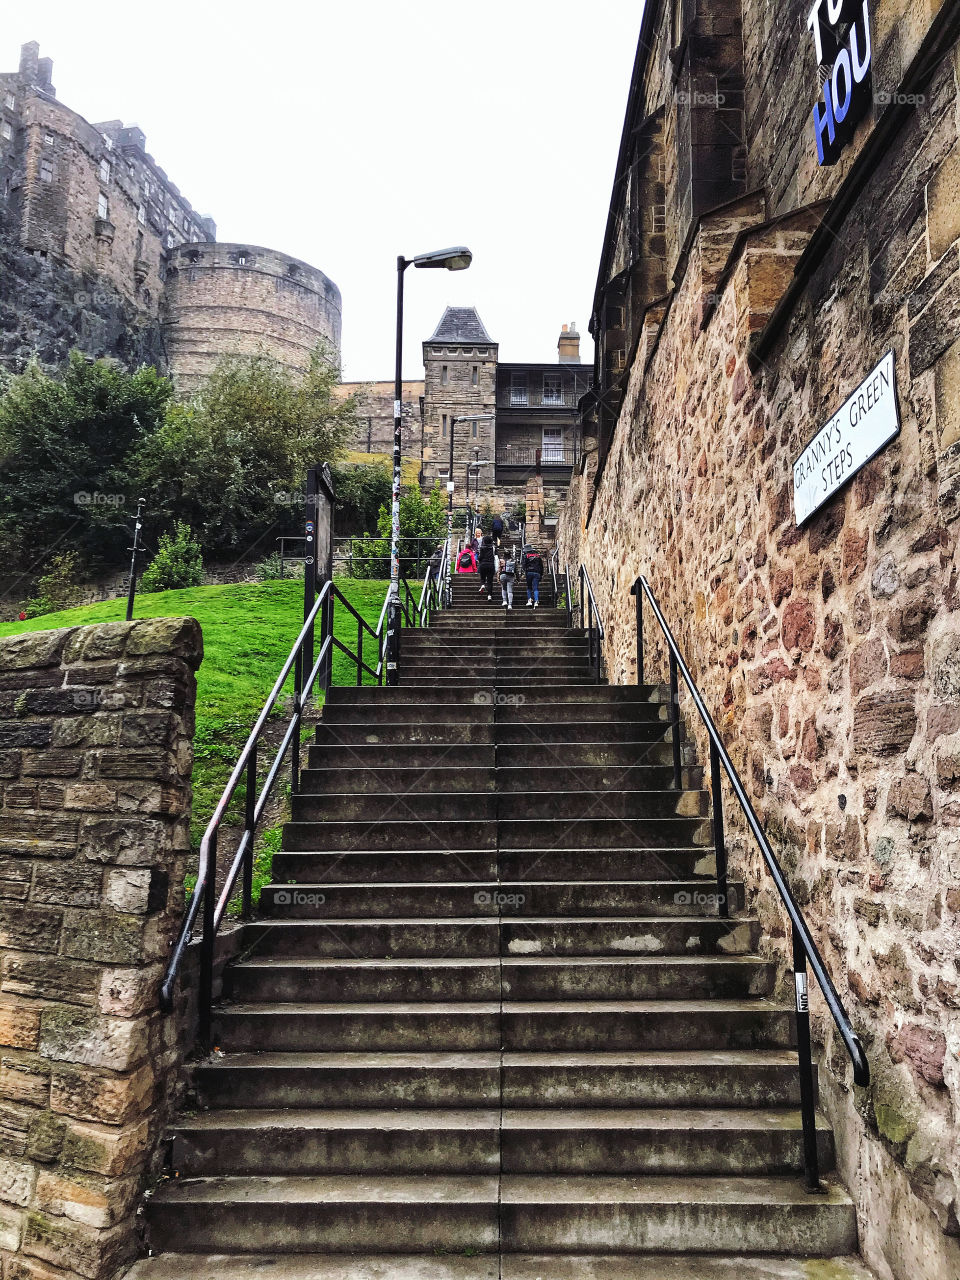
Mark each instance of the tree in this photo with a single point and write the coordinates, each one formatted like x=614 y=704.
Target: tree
x=361 y=489
x=232 y=460
x=64 y=446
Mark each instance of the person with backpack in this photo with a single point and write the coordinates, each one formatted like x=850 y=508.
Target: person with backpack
x=467 y=559
x=496 y=528
x=533 y=571
x=507 y=576
x=487 y=564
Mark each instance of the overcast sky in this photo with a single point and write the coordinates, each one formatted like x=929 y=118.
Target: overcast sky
x=348 y=133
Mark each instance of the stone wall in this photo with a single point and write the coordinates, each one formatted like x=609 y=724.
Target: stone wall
x=95 y=728
x=829 y=654
x=238 y=300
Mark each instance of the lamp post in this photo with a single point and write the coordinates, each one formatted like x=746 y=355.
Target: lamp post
x=473 y=417
x=456 y=259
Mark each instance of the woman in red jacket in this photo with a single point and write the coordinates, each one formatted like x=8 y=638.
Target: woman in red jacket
x=467 y=559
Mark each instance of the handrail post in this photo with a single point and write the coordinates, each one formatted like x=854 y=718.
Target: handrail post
x=638 y=592
x=583 y=616
x=719 y=836
x=599 y=654
x=250 y=824
x=675 y=722
x=207 y=943
x=359 y=653
x=808 y=1103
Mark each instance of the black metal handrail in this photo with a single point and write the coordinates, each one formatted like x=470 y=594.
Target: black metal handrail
x=590 y=614
x=306 y=672
x=805 y=949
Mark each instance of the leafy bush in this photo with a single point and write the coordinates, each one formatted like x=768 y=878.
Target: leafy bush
x=178 y=562
x=361 y=489
x=272 y=567
x=57 y=588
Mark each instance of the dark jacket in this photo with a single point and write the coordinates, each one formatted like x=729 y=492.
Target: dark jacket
x=486 y=558
x=532 y=562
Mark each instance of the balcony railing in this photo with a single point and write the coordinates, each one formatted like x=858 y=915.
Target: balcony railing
x=523 y=398
x=526 y=456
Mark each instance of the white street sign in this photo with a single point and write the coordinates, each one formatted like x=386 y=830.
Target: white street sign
x=864 y=423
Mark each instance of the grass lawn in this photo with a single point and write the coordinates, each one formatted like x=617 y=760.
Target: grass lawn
x=248 y=631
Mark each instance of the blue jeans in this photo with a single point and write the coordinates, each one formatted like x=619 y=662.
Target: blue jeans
x=533 y=587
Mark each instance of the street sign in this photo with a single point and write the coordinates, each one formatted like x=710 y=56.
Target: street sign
x=864 y=423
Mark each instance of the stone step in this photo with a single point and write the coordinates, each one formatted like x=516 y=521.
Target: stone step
x=568 y=800
x=359 y=732
x=493 y=898
x=369 y=756
x=486 y=978
x=477 y=775
x=531 y=1026
x=539 y=833
x=545 y=734
x=487 y=1140
x=525 y=935
x=684 y=1078
x=437 y=865
x=495 y=1267
x=518 y=1213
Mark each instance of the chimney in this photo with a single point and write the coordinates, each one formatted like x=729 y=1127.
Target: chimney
x=30 y=62
x=569 y=344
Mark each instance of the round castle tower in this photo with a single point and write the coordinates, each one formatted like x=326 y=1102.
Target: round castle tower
x=244 y=300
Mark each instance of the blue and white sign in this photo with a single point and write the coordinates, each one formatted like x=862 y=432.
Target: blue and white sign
x=841 y=37
x=857 y=432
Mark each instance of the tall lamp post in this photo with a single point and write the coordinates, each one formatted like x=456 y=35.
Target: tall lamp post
x=456 y=259
x=473 y=417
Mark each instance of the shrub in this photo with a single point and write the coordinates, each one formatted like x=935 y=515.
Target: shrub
x=178 y=562
x=272 y=567
x=57 y=588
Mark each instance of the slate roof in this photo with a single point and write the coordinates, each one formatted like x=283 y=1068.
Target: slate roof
x=460 y=324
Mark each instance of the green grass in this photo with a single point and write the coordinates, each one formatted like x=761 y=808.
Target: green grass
x=248 y=631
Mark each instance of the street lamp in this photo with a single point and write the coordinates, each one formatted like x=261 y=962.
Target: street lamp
x=455 y=259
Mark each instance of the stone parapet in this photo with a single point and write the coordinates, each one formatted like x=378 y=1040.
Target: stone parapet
x=96 y=726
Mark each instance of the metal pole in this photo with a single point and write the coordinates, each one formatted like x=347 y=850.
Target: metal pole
x=808 y=1104
x=250 y=825
x=359 y=653
x=132 y=587
x=393 y=604
x=719 y=836
x=207 y=943
x=450 y=552
x=675 y=721
x=638 y=592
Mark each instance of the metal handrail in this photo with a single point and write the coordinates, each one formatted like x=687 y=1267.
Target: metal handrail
x=804 y=947
x=590 y=610
x=204 y=893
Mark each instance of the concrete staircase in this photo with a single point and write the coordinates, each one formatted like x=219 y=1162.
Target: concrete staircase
x=491 y=1024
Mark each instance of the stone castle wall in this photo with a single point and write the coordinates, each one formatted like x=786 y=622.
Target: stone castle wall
x=96 y=726
x=830 y=654
x=238 y=300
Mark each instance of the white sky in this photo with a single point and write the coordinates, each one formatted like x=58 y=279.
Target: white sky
x=346 y=133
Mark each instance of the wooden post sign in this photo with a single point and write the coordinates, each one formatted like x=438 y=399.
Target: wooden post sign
x=867 y=421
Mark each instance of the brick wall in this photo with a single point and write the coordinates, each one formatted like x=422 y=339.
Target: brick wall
x=96 y=726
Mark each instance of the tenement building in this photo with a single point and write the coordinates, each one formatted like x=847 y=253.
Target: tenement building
x=772 y=439
x=99 y=250
x=517 y=416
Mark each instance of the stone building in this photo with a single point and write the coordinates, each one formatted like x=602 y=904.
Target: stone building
x=90 y=229
x=783 y=244
x=375 y=413
x=531 y=409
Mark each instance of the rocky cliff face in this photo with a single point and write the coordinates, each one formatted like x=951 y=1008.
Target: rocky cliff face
x=47 y=310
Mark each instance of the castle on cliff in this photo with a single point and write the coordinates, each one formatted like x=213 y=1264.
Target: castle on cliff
x=100 y=250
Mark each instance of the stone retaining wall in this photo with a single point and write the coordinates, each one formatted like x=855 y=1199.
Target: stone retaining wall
x=96 y=726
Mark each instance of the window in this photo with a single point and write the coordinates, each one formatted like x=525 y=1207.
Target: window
x=48 y=139
x=103 y=207
x=552 y=388
x=46 y=170
x=475 y=425
x=107 y=142
x=518 y=388
x=6 y=129
x=142 y=216
x=552 y=444
x=475 y=376
x=146 y=190
x=10 y=102
x=104 y=170
x=444 y=376
x=444 y=426
x=241 y=259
